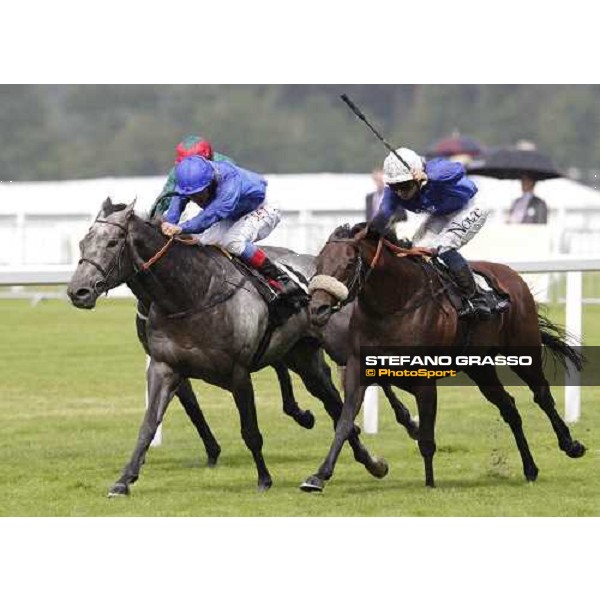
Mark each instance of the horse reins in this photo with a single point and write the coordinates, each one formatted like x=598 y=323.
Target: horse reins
x=158 y=255
x=117 y=260
x=152 y=261
x=358 y=281
x=146 y=266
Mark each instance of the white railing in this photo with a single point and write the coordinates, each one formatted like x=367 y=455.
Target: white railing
x=572 y=265
x=36 y=275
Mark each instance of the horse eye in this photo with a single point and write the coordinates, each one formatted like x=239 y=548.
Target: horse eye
x=112 y=243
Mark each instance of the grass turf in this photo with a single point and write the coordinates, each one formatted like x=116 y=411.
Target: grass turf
x=72 y=390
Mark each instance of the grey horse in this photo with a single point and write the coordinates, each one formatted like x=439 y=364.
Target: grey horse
x=334 y=337
x=206 y=321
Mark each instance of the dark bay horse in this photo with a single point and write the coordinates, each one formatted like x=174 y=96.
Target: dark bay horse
x=206 y=321
x=400 y=304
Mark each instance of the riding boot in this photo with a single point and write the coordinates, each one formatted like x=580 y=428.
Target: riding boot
x=278 y=279
x=475 y=305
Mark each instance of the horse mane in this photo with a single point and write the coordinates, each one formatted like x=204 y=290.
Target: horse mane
x=347 y=231
x=342 y=232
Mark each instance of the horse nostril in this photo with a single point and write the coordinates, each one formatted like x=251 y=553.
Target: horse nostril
x=83 y=293
x=320 y=311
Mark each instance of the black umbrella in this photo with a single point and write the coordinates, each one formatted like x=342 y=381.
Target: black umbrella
x=514 y=163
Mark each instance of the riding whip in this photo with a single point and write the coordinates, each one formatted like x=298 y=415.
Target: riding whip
x=362 y=117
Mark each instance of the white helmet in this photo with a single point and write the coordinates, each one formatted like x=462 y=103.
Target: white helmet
x=394 y=171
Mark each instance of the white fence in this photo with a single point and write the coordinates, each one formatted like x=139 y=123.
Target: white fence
x=29 y=239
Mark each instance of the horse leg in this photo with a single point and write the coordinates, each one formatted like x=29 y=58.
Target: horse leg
x=307 y=360
x=426 y=397
x=343 y=415
x=534 y=377
x=188 y=400
x=304 y=418
x=402 y=413
x=243 y=394
x=162 y=382
x=491 y=387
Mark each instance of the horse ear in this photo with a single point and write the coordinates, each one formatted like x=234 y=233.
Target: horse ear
x=105 y=209
x=130 y=209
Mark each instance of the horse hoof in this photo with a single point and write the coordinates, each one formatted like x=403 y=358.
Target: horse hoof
x=379 y=468
x=306 y=420
x=531 y=474
x=118 y=490
x=264 y=486
x=575 y=450
x=313 y=484
x=211 y=462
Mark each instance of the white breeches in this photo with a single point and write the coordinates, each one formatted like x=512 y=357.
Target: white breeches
x=451 y=231
x=234 y=235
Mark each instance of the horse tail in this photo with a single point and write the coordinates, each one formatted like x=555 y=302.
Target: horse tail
x=561 y=344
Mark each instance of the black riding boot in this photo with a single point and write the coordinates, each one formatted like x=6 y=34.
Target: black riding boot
x=278 y=279
x=475 y=305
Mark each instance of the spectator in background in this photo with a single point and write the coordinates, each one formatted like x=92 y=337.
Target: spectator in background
x=373 y=200
x=528 y=208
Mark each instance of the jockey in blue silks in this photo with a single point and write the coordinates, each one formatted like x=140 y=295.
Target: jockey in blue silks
x=441 y=189
x=190 y=145
x=234 y=214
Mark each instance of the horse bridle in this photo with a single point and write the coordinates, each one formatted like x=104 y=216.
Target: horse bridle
x=115 y=263
x=358 y=280
x=360 y=274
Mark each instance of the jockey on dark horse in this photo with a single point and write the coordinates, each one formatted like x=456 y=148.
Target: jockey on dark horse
x=441 y=189
x=235 y=213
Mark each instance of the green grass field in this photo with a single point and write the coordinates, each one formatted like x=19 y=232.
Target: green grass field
x=72 y=393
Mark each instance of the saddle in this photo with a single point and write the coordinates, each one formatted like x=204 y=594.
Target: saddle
x=488 y=287
x=281 y=308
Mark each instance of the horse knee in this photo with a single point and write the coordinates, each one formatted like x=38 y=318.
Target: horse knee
x=544 y=399
x=324 y=391
x=509 y=412
x=252 y=439
x=511 y=417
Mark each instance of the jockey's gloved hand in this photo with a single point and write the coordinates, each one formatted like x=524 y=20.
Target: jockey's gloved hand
x=170 y=229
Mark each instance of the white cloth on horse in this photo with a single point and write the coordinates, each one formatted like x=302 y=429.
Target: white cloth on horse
x=234 y=235
x=451 y=231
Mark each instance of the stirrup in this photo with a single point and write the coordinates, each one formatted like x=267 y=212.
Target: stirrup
x=481 y=311
x=502 y=306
